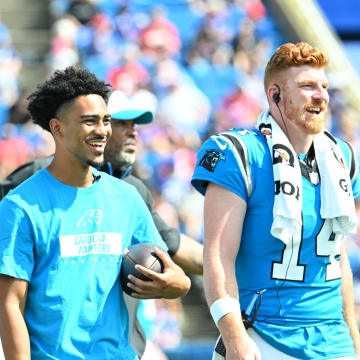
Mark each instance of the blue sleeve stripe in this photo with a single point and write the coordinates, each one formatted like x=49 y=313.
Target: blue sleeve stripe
x=242 y=158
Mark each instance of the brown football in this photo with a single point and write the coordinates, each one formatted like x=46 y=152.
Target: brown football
x=142 y=254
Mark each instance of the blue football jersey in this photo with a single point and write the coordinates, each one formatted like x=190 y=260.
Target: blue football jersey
x=301 y=279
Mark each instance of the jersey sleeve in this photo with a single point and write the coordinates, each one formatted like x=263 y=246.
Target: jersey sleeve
x=17 y=244
x=223 y=160
x=352 y=160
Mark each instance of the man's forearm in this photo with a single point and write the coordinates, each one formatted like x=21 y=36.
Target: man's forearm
x=235 y=338
x=14 y=334
x=189 y=255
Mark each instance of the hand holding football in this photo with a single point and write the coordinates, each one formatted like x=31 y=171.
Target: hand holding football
x=142 y=254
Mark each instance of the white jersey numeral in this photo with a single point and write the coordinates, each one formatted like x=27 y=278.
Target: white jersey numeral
x=327 y=245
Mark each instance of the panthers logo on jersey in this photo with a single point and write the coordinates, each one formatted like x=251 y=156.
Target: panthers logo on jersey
x=211 y=158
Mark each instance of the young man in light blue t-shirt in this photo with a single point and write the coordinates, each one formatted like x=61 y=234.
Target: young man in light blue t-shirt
x=64 y=231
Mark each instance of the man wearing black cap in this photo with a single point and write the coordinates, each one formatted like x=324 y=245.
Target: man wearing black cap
x=120 y=154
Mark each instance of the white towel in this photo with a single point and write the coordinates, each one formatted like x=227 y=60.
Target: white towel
x=337 y=202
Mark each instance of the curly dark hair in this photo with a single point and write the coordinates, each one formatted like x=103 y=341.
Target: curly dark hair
x=63 y=86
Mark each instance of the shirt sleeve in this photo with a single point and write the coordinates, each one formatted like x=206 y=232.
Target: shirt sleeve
x=16 y=241
x=170 y=235
x=145 y=229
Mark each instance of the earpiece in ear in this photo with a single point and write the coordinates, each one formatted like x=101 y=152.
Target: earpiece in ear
x=276 y=96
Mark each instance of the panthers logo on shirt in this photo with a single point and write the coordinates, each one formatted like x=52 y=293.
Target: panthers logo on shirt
x=211 y=158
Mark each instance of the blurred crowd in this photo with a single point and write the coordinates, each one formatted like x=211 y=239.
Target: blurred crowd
x=20 y=139
x=197 y=64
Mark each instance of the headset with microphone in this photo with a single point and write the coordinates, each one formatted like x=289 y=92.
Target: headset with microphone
x=276 y=96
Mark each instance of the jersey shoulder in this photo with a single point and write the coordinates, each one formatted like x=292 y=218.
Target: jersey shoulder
x=231 y=154
x=239 y=143
x=351 y=155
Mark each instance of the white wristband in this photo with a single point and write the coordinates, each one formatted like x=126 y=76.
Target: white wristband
x=223 y=306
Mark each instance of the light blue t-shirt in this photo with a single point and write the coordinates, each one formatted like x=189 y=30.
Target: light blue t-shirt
x=68 y=244
x=301 y=309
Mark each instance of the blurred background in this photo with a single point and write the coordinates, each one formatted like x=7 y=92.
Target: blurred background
x=198 y=64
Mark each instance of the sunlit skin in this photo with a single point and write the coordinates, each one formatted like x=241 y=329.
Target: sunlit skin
x=304 y=101
x=308 y=89
x=121 y=148
x=81 y=130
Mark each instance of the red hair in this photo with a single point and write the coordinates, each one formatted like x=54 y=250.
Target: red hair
x=288 y=55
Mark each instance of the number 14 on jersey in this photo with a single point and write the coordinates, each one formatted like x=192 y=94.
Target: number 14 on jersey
x=327 y=245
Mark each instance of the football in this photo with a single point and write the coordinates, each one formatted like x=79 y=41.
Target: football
x=142 y=254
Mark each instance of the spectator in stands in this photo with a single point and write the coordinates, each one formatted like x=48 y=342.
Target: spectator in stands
x=161 y=37
x=181 y=93
x=14 y=151
x=63 y=43
x=129 y=75
x=238 y=109
x=10 y=66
